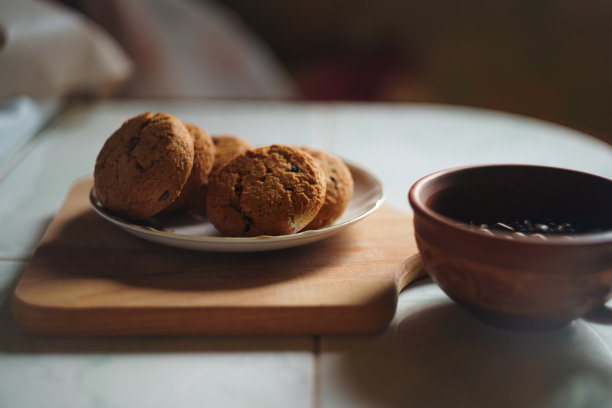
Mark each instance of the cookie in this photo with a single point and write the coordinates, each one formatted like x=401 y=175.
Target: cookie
x=339 y=187
x=272 y=190
x=143 y=166
x=193 y=193
x=226 y=148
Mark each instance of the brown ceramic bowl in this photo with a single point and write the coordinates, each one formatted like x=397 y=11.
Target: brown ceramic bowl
x=538 y=281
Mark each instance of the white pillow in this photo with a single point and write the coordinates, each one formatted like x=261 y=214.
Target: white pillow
x=47 y=50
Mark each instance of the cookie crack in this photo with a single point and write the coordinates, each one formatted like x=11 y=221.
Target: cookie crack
x=133 y=141
x=142 y=168
x=116 y=168
x=235 y=204
x=238 y=187
x=249 y=223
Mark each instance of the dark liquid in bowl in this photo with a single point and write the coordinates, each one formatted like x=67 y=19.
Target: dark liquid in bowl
x=487 y=203
x=536 y=225
x=510 y=195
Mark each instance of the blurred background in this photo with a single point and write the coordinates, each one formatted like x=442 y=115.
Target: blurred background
x=549 y=59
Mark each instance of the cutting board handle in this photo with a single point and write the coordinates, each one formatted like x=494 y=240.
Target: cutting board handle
x=411 y=270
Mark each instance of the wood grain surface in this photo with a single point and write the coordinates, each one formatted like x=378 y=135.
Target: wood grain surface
x=89 y=278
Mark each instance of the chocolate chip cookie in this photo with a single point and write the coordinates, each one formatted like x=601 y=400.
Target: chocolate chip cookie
x=144 y=165
x=272 y=190
x=193 y=193
x=226 y=148
x=339 y=187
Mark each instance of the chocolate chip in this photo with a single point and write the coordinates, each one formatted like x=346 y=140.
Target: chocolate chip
x=164 y=196
x=132 y=142
x=238 y=189
x=249 y=223
x=294 y=168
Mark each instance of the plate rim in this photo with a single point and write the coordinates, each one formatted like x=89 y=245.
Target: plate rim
x=160 y=236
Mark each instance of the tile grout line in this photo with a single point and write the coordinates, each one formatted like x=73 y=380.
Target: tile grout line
x=17 y=156
x=316 y=388
x=11 y=163
x=14 y=259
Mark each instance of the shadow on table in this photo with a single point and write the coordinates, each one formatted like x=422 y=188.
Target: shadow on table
x=440 y=356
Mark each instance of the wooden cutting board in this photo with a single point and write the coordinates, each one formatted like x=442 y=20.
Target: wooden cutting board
x=89 y=278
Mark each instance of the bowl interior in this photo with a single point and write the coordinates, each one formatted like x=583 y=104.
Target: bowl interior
x=506 y=193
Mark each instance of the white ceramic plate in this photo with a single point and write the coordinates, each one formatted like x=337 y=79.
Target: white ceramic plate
x=192 y=231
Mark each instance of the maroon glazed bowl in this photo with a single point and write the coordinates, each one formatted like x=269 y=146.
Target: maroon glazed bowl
x=520 y=246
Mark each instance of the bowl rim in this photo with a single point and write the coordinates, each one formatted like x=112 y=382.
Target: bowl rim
x=418 y=205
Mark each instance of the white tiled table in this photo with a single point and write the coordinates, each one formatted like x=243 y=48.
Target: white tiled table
x=432 y=355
